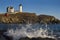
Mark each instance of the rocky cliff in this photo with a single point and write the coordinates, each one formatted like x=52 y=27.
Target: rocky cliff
x=27 y=18
x=48 y=19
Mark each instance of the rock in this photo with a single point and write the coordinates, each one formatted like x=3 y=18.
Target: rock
x=26 y=38
x=8 y=37
x=47 y=19
x=27 y=18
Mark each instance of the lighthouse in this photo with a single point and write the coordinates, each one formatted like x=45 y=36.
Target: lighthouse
x=11 y=10
x=20 y=8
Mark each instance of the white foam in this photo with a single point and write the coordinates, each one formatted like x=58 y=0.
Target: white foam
x=28 y=31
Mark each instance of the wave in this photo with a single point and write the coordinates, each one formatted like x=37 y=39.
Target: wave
x=31 y=31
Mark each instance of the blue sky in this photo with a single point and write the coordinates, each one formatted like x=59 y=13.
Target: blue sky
x=48 y=7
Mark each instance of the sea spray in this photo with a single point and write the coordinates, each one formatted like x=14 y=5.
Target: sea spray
x=28 y=30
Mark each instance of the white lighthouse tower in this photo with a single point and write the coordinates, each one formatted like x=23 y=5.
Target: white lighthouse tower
x=20 y=8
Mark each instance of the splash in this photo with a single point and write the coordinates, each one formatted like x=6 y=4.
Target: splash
x=29 y=30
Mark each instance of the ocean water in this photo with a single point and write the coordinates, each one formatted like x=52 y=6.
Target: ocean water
x=31 y=30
